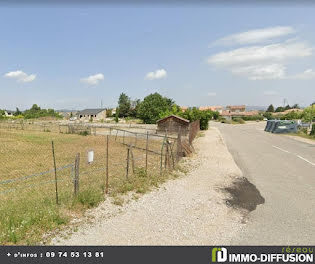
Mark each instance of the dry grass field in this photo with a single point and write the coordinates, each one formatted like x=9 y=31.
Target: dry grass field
x=27 y=179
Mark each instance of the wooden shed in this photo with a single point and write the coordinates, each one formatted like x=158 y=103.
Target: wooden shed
x=173 y=124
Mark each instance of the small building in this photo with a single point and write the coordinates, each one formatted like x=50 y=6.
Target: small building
x=173 y=124
x=236 y=108
x=229 y=115
x=9 y=113
x=95 y=114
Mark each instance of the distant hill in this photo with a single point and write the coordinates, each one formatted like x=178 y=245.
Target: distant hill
x=256 y=107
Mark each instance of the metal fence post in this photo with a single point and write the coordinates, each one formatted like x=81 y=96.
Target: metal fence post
x=106 y=183
x=76 y=175
x=55 y=169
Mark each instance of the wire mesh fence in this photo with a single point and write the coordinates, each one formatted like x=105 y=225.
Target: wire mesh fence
x=43 y=171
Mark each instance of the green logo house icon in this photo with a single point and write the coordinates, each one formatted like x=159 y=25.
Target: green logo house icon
x=219 y=254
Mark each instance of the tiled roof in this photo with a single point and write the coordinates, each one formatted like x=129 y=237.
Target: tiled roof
x=213 y=108
x=229 y=113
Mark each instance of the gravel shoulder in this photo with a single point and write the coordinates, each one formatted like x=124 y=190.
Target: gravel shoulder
x=188 y=210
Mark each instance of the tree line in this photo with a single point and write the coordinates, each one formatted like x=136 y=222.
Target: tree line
x=155 y=106
x=34 y=112
x=308 y=113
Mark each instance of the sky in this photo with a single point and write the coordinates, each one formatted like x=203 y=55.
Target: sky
x=75 y=57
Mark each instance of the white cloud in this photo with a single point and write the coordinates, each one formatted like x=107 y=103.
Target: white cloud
x=270 y=93
x=93 y=79
x=255 y=36
x=261 y=72
x=212 y=94
x=306 y=75
x=20 y=76
x=263 y=62
x=273 y=52
x=158 y=74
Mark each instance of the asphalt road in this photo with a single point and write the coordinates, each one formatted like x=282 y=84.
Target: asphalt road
x=283 y=170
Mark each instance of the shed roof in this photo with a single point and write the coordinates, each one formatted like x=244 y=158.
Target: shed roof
x=91 y=111
x=174 y=117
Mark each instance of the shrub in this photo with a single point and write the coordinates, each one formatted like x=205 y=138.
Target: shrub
x=90 y=198
x=239 y=120
x=253 y=118
x=84 y=133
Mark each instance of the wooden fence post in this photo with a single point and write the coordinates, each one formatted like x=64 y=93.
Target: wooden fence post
x=179 y=146
x=161 y=162
x=146 y=154
x=132 y=161
x=55 y=169
x=106 y=182
x=76 y=174
x=127 y=167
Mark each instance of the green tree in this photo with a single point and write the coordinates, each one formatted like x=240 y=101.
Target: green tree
x=270 y=109
x=134 y=108
x=216 y=115
x=1 y=114
x=268 y=115
x=309 y=113
x=109 y=112
x=296 y=106
x=36 y=112
x=124 y=105
x=150 y=109
x=192 y=114
x=17 y=112
x=117 y=115
x=279 y=109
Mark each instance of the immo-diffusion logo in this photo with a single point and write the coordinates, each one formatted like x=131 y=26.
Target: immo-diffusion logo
x=293 y=255
x=219 y=254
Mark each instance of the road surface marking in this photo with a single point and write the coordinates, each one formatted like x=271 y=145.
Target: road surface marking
x=281 y=149
x=306 y=160
x=295 y=155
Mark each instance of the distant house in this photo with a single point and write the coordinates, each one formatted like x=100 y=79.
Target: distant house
x=236 y=108
x=229 y=115
x=172 y=124
x=183 y=108
x=9 y=113
x=95 y=114
x=215 y=108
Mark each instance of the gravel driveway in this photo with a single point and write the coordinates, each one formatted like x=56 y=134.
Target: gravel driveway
x=189 y=210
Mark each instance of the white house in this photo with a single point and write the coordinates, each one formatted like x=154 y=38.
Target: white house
x=9 y=113
x=95 y=114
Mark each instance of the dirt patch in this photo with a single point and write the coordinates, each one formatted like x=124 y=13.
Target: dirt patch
x=244 y=195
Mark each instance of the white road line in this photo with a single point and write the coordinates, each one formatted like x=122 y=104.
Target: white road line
x=306 y=160
x=281 y=149
x=295 y=155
